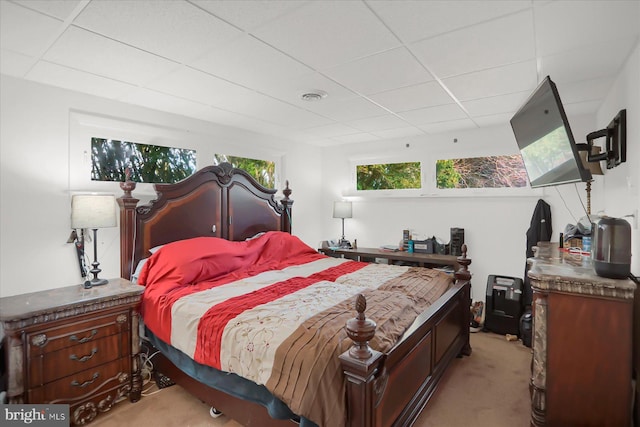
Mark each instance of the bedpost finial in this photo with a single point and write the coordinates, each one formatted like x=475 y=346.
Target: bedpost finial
x=361 y=330
x=127 y=186
x=287 y=190
x=463 y=271
x=361 y=306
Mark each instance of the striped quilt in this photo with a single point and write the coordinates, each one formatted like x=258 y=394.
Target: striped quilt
x=273 y=310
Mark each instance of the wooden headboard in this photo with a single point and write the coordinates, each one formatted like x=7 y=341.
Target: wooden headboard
x=217 y=201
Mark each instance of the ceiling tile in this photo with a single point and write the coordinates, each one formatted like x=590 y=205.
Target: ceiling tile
x=371 y=124
x=25 y=31
x=348 y=110
x=228 y=118
x=57 y=75
x=60 y=9
x=83 y=50
x=248 y=14
x=581 y=108
x=415 y=20
x=480 y=46
x=584 y=90
x=333 y=130
x=566 y=25
x=291 y=90
x=198 y=86
x=494 y=120
x=276 y=111
x=322 y=34
x=392 y=69
x=246 y=63
x=436 y=114
x=508 y=103
x=356 y=137
x=448 y=126
x=398 y=133
x=14 y=64
x=413 y=97
x=163 y=102
x=251 y=63
x=589 y=62
x=172 y=29
x=495 y=81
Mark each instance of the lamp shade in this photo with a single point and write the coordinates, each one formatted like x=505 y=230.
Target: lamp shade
x=342 y=210
x=93 y=211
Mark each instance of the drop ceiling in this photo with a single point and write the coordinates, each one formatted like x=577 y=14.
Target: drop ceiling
x=390 y=69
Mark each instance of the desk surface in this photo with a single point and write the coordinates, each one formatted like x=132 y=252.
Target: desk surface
x=414 y=257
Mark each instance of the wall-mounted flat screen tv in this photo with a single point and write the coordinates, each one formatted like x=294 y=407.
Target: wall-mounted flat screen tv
x=545 y=140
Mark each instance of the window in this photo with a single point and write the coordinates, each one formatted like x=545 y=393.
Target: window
x=147 y=163
x=389 y=176
x=481 y=172
x=264 y=171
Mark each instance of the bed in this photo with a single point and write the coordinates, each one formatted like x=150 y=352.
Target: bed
x=385 y=342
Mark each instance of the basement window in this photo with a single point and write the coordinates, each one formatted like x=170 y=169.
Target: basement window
x=389 y=176
x=264 y=171
x=147 y=163
x=481 y=172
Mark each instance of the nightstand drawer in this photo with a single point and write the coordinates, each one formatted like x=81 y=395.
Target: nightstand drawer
x=102 y=377
x=51 y=366
x=86 y=329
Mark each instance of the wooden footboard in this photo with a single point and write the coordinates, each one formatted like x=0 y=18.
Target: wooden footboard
x=391 y=389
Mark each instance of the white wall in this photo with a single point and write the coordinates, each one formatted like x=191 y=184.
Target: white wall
x=495 y=226
x=42 y=145
x=621 y=191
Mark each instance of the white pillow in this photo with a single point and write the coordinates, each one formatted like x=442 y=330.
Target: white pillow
x=155 y=248
x=136 y=274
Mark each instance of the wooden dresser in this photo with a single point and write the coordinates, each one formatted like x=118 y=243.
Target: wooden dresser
x=73 y=346
x=582 y=344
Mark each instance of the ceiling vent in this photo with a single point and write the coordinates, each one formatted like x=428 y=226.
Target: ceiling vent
x=315 y=96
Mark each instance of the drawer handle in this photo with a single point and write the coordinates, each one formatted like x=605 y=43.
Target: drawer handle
x=75 y=383
x=84 y=339
x=84 y=358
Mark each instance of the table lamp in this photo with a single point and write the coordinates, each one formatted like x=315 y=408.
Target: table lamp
x=343 y=210
x=93 y=211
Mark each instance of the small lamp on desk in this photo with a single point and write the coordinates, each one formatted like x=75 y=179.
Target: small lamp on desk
x=93 y=211
x=343 y=210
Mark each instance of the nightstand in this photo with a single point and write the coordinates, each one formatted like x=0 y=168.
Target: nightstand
x=73 y=346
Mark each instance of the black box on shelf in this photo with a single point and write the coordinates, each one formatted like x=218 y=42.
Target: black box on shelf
x=457 y=240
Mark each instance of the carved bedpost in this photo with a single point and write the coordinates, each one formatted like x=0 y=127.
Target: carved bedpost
x=463 y=274
x=127 y=205
x=287 y=203
x=361 y=366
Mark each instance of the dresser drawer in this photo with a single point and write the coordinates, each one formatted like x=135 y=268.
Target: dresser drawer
x=49 y=367
x=84 y=329
x=99 y=378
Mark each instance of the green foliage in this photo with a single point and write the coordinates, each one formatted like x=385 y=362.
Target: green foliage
x=388 y=176
x=481 y=172
x=263 y=171
x=147 y=163
x=446 y=174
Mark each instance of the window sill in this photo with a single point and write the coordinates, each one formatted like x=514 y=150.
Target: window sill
x=446 y=194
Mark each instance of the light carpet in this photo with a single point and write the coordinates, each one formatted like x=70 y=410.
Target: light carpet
x=488 y=389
